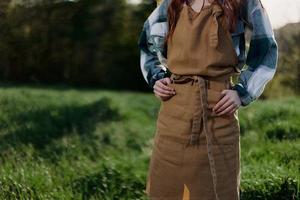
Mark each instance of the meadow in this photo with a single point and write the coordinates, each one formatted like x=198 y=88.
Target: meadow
x=72 y=143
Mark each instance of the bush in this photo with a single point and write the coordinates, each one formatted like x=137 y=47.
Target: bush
x=273 y=188
x=283 y=131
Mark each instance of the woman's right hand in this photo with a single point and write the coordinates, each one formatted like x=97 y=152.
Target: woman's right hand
x=162 y=90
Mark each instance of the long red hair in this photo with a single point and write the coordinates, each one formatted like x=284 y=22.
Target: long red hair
x=231 y=11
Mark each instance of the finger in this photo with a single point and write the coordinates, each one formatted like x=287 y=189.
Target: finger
x=162 y=90
x=224 y=92
x=159 y=94
x=166 y=80
x=220 y=102
x=236 y=107
x=163 y=85
x=228 y=109
x=224 y=106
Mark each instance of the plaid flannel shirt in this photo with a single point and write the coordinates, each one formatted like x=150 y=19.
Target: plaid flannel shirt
x=261 y=59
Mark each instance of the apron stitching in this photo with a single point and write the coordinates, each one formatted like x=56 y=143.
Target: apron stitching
x=214 y=38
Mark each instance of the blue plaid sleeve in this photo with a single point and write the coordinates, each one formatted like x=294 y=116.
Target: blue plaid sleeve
x=262 y=55
x=151 y=40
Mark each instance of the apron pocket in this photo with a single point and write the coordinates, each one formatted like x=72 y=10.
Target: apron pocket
x=178 y=106
x=168 y=150
x=173 y=126
x=225 y=130
x=213 y=96
x=174 y=111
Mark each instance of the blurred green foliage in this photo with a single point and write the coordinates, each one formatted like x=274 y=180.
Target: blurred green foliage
x=94 y=43
x=87 y=42
x=287 y=78
x=65 y=143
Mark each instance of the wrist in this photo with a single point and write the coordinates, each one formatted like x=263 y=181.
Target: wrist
x=243 y=94
x=155 y=77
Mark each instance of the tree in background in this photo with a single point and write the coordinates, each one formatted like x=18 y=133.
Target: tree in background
x=94 y=43
x=90 y=43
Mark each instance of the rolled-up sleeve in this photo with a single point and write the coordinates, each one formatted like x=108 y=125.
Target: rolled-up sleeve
x=262 y=56
x=151 y=43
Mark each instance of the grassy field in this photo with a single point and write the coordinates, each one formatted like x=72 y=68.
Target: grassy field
x=64 y=143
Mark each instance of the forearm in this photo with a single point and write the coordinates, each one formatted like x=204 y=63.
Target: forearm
x=151 y=44
x=262 y=55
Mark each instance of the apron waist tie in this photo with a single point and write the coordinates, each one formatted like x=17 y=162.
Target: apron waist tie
x=196 y=125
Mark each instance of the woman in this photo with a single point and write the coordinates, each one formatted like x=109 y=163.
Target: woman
x=189 y=53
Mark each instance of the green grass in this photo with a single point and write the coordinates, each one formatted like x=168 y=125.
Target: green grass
x=64 y=143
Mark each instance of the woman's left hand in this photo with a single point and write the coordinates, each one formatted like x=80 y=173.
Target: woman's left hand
x=228 y=104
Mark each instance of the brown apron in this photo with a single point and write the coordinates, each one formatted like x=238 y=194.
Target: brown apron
x=196 y=155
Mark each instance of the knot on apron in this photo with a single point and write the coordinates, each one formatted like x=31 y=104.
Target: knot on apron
x=214 y=37
x=200 y=118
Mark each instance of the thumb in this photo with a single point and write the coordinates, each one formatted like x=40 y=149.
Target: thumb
x=166 y=80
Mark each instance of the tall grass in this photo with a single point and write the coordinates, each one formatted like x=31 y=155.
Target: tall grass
x=65 y=143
